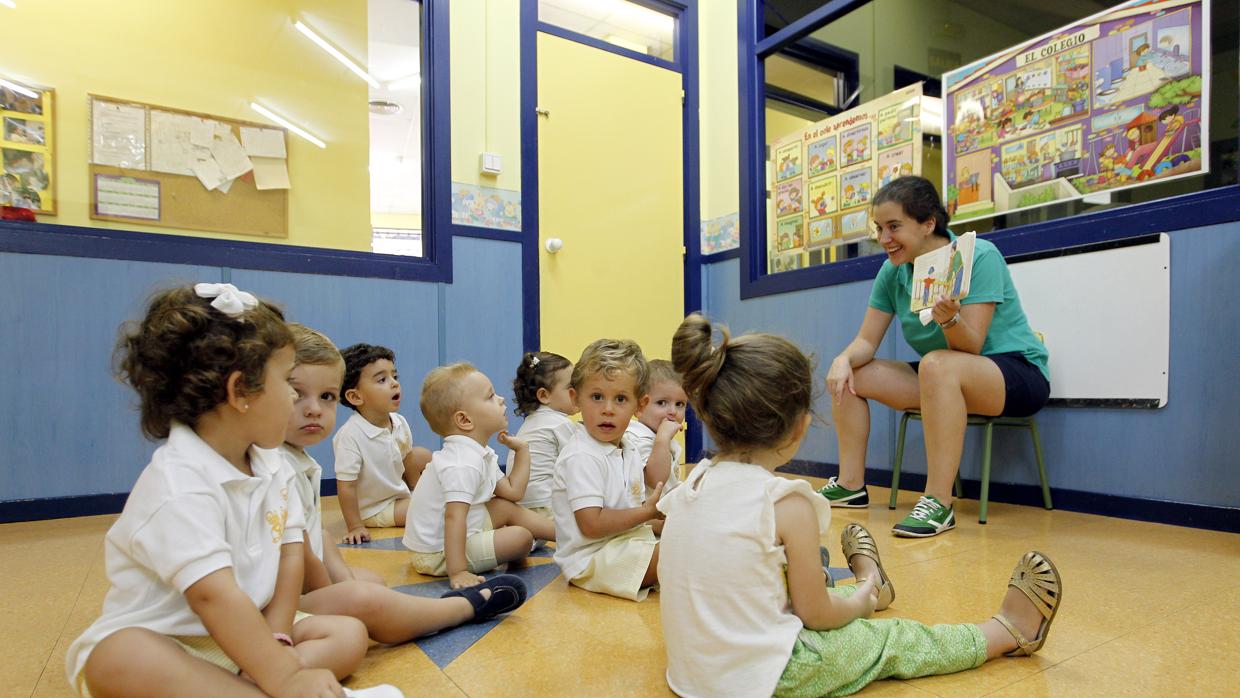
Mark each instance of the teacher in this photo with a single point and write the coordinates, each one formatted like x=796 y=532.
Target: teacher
x=978 y=356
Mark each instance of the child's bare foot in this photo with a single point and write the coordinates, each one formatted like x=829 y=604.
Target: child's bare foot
x=863 y=567
x=1022 y=613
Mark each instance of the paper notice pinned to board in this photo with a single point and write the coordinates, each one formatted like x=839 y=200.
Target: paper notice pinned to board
x=203 y=132
x=172 y=150
x=263 y=142
x=231 y=157
x=208 y=172
x=127 y=197
x=118 y=135
x=270 y=173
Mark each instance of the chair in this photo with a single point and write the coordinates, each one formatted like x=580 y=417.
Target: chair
x=990 y=423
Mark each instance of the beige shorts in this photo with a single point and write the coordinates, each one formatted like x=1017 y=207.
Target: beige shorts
x=479 y=555
x=544 y=512
x=620 y=565
x=386 y=518
x=203 y=647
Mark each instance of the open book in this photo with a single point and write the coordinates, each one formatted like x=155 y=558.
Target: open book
x=943 y=272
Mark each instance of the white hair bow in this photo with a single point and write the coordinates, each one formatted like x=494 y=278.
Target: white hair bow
x=228 y=298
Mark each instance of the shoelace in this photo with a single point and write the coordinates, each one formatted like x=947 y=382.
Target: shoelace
x=924 y=508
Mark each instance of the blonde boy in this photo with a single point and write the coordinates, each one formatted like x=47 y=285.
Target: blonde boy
x=465 y=518
x=653 y=433
x=376 y=462
x=605 y=540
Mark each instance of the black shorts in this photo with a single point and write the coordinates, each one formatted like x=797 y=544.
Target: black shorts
x=1027 y=389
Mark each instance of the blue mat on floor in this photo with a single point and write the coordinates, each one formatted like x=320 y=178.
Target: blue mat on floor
x=445 y=646
x=396 y=544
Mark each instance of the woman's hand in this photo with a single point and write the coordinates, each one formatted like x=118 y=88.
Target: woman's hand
x=945 y=310
x=840 y=378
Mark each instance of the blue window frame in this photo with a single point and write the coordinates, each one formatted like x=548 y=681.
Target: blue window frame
x=434 y=266
x=1217 y=205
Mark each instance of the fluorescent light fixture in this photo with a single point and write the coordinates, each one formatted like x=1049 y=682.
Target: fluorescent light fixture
x=406 y=82
x=9 y=3
x=335 y=53
x=26 y=91
x=286 y=123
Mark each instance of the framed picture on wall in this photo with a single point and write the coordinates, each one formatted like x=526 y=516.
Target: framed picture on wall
x=27 y=163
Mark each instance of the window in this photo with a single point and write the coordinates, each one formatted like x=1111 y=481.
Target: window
x=396 y=163
x=621 y=23
x=900 y=42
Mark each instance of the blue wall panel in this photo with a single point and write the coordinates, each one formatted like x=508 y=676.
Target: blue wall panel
x=68 y=428
x=1185 y=452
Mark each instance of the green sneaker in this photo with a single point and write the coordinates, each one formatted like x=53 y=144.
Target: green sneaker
x=928 y=518
x=843 y=497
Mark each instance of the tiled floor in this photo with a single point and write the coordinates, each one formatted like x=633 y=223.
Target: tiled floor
x=1148 y=609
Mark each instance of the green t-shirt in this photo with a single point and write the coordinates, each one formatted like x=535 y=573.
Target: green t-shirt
x=991 y=283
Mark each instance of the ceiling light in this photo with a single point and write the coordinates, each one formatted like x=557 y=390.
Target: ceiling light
x=382 y=107
x=336 y=53
x=9 y=3
x=406 y=82
x=25 y=91
x=286 y=124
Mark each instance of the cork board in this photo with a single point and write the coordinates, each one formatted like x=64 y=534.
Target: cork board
x=171 y=200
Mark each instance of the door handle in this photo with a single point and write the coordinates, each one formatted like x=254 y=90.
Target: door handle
x=542 y=112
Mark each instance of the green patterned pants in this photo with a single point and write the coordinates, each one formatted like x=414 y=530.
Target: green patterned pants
x=842 y=661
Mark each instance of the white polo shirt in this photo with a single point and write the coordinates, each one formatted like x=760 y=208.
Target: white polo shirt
x=640 y=438
x=192 y=513
x=462 y=471
x=547 y=430
x=591 y=473
x=374 y=457
x=309 y=483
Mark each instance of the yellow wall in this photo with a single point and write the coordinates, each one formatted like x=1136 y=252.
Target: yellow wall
x=717 y=94
x=212 y=57
x=486 y=89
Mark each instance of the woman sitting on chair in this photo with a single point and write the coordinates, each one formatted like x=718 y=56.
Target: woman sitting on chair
x=979 y=356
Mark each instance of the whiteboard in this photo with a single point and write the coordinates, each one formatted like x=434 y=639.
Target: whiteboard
x=1106 y=318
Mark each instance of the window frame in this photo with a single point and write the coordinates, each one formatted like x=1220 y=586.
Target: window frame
x=1193 y=210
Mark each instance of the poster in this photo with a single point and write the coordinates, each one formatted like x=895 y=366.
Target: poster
x=27 y=165
x=826 y=174
x=1116 y=100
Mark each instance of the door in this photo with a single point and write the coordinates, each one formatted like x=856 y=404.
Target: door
x=610 y=186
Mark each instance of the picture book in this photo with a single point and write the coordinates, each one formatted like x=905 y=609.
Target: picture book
x=943 y=272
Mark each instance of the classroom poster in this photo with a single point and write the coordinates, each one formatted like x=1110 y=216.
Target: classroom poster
x=27 y=167
x=825 y=175
x=1117 y=100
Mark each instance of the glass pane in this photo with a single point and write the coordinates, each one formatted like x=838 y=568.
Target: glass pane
x=624 y=24
x=778 y=14
x=802 y=78
x=396 y=127
x=896 y=39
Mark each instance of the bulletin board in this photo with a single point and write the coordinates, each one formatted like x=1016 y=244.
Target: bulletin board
x=143 y=169
x=27 y=154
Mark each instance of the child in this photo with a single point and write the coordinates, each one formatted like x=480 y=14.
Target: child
x=546 y=399
x=389 y=615
x=377 y=464
x=604 y=539
x=465 y=517
x=653 y=433
x=745 y=606
x=211 y=366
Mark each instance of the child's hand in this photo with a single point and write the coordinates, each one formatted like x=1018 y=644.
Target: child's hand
x=512 y=442
x=867 y=591
x=460 y=580
x=319 y=683
x=652 y=501
x=357 y=535
x=668 y=428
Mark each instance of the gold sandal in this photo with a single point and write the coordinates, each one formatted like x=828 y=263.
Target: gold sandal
x=1035 y=575
x=858 y=541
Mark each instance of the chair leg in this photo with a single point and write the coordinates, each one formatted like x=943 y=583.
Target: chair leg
x=895 y=467
x=985 y=498
x=959 y=485
x=1037 y=451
